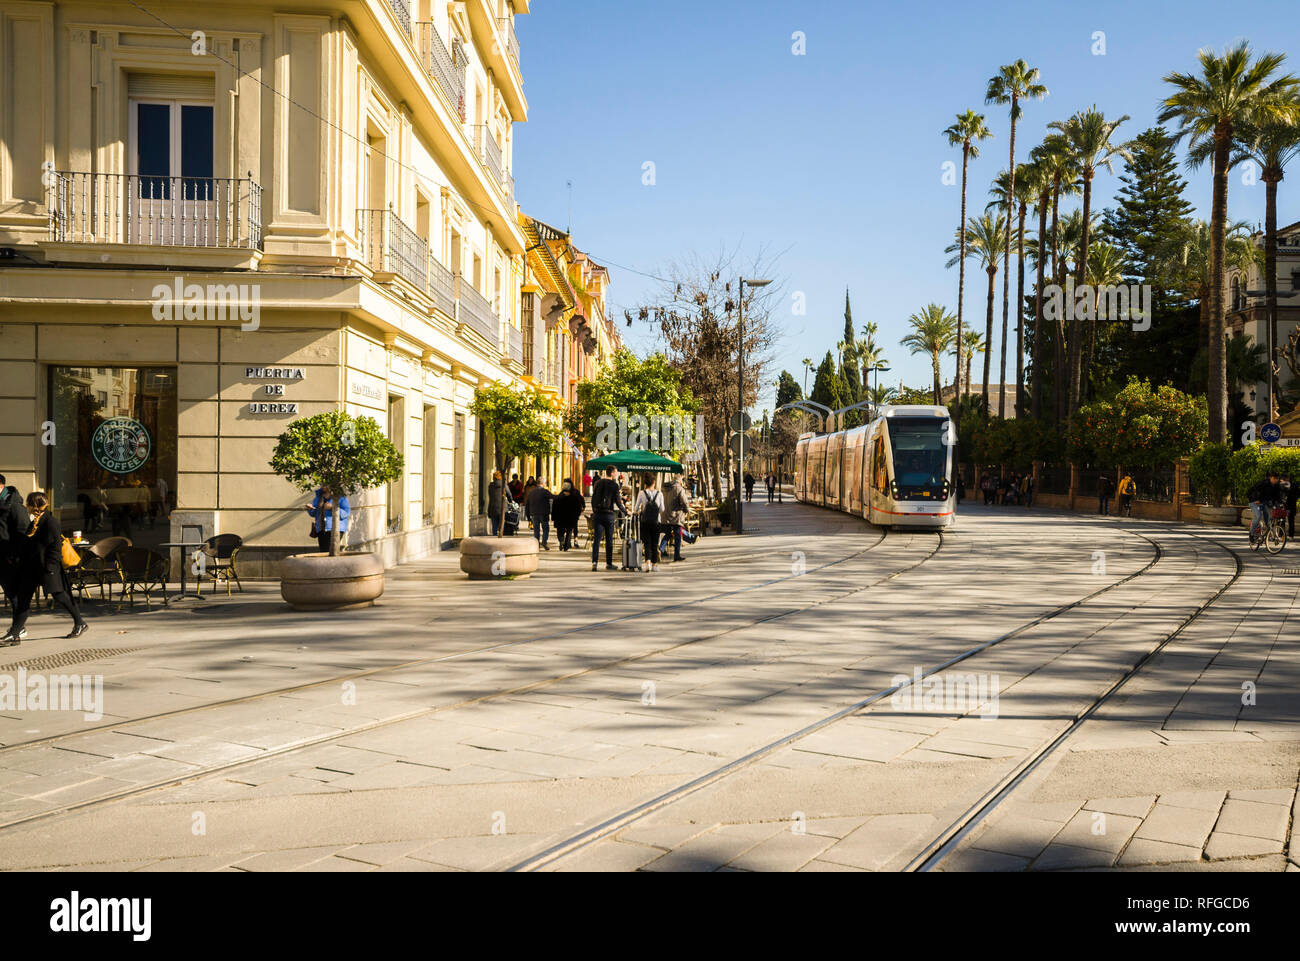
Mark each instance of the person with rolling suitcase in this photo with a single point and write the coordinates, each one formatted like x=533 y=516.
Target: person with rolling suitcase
x=606 y=503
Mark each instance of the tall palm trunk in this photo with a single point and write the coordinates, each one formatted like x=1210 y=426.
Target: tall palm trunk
x=992 y=270
x=1006 y=260
x=961 y=270
x=1058 y=278
x=1217 y=387
x=938 y=387
x=1020 y=313
x=1038 y=308
x=1271 y=178
x=1077 y=332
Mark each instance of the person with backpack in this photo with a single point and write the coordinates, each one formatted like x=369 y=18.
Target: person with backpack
x=566 y=512
x=537 y=502
x=1105 y=491
x=676 y=503
x=42 y=566
x=650 y=508
x=1127 y=489
x=13 y=528
x=606 y=504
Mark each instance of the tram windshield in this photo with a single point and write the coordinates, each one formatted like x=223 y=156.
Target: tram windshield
x=920 y=456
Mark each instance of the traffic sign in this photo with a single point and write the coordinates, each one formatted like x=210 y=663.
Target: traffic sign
x=741 y=421
x=1270 y=433
x=740 y=445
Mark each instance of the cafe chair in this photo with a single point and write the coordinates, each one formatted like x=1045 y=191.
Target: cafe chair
x=218 y=562
x=99 y=566
x=144 y=571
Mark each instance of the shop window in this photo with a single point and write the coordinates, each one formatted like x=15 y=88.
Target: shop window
x=112 y=471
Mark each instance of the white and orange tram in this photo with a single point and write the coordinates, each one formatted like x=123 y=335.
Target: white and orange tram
x=895 y=471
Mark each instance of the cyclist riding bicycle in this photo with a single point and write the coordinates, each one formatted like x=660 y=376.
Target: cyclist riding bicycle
x=1262 y=497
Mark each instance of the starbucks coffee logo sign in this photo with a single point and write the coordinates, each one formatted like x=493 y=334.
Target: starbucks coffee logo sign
x=120 y=445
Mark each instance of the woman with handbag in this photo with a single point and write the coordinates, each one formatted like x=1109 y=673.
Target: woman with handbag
x=42 y=565
x=322 y=512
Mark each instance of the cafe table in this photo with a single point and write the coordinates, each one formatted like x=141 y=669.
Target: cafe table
x=184 y=566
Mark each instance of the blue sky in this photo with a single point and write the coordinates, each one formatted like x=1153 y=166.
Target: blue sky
x=832 y=159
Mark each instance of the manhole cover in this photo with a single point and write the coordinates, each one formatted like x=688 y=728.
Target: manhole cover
x=67 y=658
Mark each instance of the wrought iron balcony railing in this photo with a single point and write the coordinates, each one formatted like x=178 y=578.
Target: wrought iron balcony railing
x=515 y=345
x=389 y=245
x=475 y=311
x=402 y=10
x=507 y=27
x=104 y=208
x=489 y=154
x=442 y=288
x=446 y=67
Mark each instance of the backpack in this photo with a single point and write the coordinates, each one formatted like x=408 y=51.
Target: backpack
x=602 y=498
x=650 y=512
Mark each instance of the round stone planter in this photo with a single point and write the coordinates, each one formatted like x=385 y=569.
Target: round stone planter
x=1220 y=515
x=318 y=582
x=491 y=558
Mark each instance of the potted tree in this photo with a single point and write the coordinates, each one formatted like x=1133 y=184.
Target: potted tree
x=348 y=455
x=1209 y=470
x=522 y=424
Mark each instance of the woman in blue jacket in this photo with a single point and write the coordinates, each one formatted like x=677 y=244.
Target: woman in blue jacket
x=322 y=512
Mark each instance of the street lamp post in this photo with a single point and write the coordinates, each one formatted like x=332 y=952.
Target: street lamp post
x=876 y=370
x=740 y=402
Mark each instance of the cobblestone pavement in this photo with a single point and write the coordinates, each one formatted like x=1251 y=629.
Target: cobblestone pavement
x=474 y=726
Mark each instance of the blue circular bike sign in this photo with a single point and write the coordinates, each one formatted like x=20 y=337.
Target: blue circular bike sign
x=1270 y=433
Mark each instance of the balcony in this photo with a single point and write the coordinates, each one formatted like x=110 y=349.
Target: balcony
x=514 y=345
x=489 y=154
x=388 y=245
x=476 y=312
x=103 y=208
x=442 y=288
x=506 y=25
x=402 y=10
x=446 y=67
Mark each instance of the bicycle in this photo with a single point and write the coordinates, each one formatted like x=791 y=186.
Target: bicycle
x=1273 y=530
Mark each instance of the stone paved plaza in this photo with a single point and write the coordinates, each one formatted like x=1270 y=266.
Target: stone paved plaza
x=720 y=714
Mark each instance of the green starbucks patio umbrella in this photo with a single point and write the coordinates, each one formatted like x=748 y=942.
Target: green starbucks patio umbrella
x=636 y=460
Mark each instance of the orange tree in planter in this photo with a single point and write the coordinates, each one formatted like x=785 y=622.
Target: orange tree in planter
x=522 y=424
x=336 y=450
x=1142 y=427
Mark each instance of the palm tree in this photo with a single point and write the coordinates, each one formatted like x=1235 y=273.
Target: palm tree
x=1057 y=160
x=881 y=395
x=985 y=238
x=1272 y=146
x=1027 y=182
x=1011 y=84
x=1106 y=266
x=973 y=344
x=933 y=331
x=967 y=131
x=1089 y=134
x=1038 y=183
x=1231 y=91
x=1196 y=276
x=807 y=366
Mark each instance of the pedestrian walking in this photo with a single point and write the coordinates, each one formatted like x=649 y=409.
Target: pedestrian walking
x=1105 y=491
x=749 y=486
x=771 y=488
x=1127 y=489
x=516 y=488
x=566 y=512
x=649 y=507
x=986 y=488
x=606 y=504
x=496 y=502
x=14 y=523
x=537 y=502
x=961 y=485
x=322 y=513
x=41 y=566
x=676 y=506
x=1027 y=490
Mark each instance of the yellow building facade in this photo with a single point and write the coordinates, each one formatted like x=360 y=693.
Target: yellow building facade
x=257 y=213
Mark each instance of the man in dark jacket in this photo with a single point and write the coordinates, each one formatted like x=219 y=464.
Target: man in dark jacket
x=1265 y=493
x=566 y=512
x=538 y=504
x=606 y=501
x=1105 y=491
x=13 y=528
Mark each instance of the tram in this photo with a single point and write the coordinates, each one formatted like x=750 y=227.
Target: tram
x=895 y=471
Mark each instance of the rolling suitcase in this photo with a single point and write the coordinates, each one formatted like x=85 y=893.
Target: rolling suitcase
x=632 y=546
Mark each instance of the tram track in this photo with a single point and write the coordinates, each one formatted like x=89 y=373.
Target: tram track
x=977 y=812
x=218 y=769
